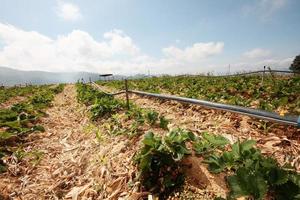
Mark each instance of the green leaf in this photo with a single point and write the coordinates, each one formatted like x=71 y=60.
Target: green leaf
x=247 y=183
x=247 y=145
x=215 y=164
x=215 y=140
x=228 y=158
x=278 y=176
x=163 y=123
x=236 y=150
x=149 y=139
x=145 y=162
x=295 y=178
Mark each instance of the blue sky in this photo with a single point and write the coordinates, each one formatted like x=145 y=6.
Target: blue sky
x=134 y=36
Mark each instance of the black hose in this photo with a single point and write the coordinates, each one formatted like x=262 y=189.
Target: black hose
x=261 y=114
x=290 y=120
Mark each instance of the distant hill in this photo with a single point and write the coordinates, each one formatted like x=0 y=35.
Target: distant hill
x=10 y=77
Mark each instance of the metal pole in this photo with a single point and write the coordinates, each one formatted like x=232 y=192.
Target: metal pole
x=126 y=90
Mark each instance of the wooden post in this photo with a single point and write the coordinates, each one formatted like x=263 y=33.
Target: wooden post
x=126 y=90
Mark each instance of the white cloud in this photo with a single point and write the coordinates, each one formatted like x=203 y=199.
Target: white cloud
x=195 y=53
x=68 y=11
x=257 y=53
x=115 y=53
x=74 y=51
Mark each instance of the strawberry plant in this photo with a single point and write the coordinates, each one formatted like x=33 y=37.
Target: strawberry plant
x=105 y=106
x=255 y=175
x=58 y=89
x=152 y=117
x=159 y=160
x=163 y=122
x=263 y=176
x=100 y=103
x=240 y=154
x=87 y=95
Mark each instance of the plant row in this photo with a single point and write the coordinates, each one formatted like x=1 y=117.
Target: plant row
x=160 y=159
x=116 y=113
x=6 y=93
x=279 y=94
x=249 y=174
x=22 y=118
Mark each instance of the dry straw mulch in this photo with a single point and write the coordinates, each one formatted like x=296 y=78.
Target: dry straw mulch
x=73 y=162
x=75 y=159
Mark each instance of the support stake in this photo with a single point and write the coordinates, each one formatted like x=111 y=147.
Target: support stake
x=126 y=92
x=263 y=75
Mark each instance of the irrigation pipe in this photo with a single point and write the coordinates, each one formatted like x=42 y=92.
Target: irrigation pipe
x=261 y=114
x=271 y=116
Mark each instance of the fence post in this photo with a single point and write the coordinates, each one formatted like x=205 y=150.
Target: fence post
x=262 y=79
x=126 y=90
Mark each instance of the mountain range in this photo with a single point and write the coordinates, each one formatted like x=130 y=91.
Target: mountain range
x=9 y=77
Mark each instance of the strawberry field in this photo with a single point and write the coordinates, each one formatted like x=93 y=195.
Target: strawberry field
x=160 y=161
x=78 y=142
x=280 y=94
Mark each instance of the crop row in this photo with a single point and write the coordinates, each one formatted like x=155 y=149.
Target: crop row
x=22 y=118
x=160 y=159
x=6 y=93
x=273 y=93
x=102 y=105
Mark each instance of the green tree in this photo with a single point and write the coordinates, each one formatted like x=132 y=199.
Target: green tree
x=295 y=66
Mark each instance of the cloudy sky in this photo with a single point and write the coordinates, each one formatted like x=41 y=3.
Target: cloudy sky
x=141 y=36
